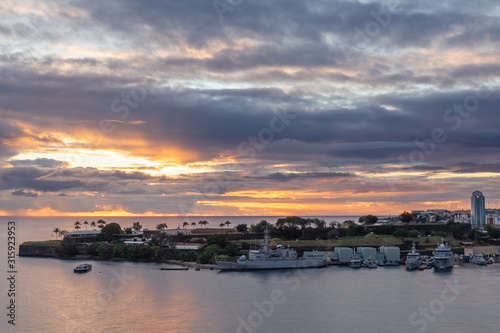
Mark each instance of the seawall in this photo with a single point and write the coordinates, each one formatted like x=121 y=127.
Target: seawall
x=38 y=251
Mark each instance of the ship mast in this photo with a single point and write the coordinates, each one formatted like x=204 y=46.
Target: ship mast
x=266 y=241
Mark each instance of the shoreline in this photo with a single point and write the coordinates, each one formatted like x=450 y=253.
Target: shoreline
x=88 y=257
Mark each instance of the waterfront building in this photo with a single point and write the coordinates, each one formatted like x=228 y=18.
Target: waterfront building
x=390 y=253
x=134 y=241
x=461 y=216
x=489 y=220
x=477 y=209
x=83 y=234
x=367 y=252
x=344 y=254
x=213 y=231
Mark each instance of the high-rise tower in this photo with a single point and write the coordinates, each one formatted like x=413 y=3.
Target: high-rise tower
x=477 y=209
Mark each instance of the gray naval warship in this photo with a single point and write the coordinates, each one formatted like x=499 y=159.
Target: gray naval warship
x=281 y=258
x=443 y=256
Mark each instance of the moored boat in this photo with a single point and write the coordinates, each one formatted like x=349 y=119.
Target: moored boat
x=387 y=263
x=478 y=259
x=369 y=263
x=443 y=256
x=496 y=257
x=83 y=268
x=355 y=261
x=413 y=259
x=266 y=258
x=428 y=262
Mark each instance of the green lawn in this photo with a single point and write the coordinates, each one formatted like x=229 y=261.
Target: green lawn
x=351 y=241
x=432 y=241
x=428 y=243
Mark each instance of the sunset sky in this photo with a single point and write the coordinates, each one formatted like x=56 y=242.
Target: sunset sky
x=247 y=107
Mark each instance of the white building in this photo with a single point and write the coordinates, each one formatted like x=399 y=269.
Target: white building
x=83 y=233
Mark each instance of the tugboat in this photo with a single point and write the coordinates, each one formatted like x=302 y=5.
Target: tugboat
x=413 y=259
x=83 y=268
x=281 y=258
x=443 y=256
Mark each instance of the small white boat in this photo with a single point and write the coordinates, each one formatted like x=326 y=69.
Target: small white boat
x=478 y=259
x=413 y=259
x=83 y=268
x=369 y=263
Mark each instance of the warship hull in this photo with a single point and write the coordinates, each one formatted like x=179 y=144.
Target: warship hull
x=270 y=264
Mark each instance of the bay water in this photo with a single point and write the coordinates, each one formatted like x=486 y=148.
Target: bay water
x=119 y=296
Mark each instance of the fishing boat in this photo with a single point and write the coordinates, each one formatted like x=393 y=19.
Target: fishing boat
x=280 y=258
x=413 y=259
x=443 y=256
x=83 y=268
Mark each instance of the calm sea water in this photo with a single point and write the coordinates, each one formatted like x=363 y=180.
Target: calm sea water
x=130 y=297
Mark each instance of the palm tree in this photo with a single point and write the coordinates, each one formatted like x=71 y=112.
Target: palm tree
x=57 y=231
x=136 y=226
x=204 y=222
x=77 y=225
x=227 y=223
x=184 y=225
x=63 y=233
x=101 y=223
x=221 y=225
x=161 y=226
x=193 y=224
x=86 y=224
x=93 y=224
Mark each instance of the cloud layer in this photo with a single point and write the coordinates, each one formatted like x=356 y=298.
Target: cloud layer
x=165 y=107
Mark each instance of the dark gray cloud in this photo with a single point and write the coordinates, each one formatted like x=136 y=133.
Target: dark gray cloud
x=7 y=133
x=33 y=178
x=359 y=99
x=41 y=162
x=25 y=194
x=471 y=167
x=284 y=177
